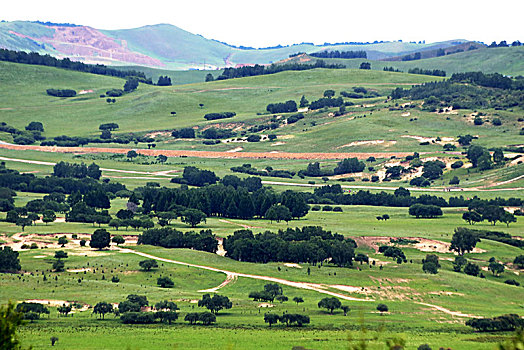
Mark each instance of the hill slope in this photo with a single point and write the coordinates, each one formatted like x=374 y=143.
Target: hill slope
x=504 y=60
x=167 y=46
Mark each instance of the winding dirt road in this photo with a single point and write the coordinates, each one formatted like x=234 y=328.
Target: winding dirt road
x=203 y=154
x=320 y=288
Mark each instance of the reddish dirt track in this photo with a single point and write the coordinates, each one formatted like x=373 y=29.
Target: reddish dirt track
x=206 y=154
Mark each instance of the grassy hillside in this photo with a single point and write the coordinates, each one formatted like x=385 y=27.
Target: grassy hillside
x=504 y=60
x=178 y=77
x=23 y=92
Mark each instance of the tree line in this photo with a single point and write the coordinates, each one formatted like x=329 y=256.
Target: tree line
x=340 y=54
x=309 y=244
x=66 y=63
x=465 y=96
x=249 y=71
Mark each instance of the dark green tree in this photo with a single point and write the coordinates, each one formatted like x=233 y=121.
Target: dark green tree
x=148 y=264
x=330 y=304
x=100 y=239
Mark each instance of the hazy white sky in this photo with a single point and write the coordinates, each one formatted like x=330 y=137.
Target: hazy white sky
x=271 y=22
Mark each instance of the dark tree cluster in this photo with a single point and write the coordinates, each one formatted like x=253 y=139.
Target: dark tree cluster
x=288 y=319
x=340 y=54
x=184 y=133
x=333 y=194
x=225 y=201
x=51 y=184
x=30 y=135
x=196 y=177
x=164 y=81
x=412 y=57
x=481 y=91
x=393 y=252
x=345 y=166
x=9 y=260
x=269 y=171
x=222 y=115
x=426 y=211
x=310 y=244
x=508 y=322
x=434 y=72
x=249 y=71
x=79 y=171
x=326 y=102
x=61 y=93
x=172 y=238
x=66 y=63
x=491 y=235
x=283 y=107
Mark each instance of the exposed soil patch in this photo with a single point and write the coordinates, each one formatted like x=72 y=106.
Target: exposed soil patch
x=238 y=224
x=297 y=266
x=207 y=154
x=369 y=143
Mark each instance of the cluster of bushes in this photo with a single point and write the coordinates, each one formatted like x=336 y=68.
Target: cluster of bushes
x=79 y=171
x=184 y=133
x=51 y=184
x=426 y=211
x=295 y=118
x=333 y=194
x=326 y=102
x=496 y=236
x=223 y=115
x=288 y=319
x=310 y=244
x=282 y=107
x=171 y=238
x=269 y=171
x=359 y=92
x=500 y=94
x=215 y=134
x=106 y=137
x=508 y=322
x=66 y=63
x=249 y=71
x=434 y=72
x=345 y=166
x=61 y=92
x=28 y=136
x=340 y=54
x=393 y=252
x=196 y=177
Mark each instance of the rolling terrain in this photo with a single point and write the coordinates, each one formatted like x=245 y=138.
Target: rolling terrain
x=423 y=306
x=167 y=46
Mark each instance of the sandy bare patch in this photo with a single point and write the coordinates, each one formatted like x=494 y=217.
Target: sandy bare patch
x=238 y=224
x=220 y=248
x=348 y=289
x=279 y=143
x=40 y=256
x=447 y=311
x=297 y=266
x=265 y=305
x=407 y=114
x=86 y=269
x=445 y=293
x=424 y=244
x=367 y=143
x=238 y=149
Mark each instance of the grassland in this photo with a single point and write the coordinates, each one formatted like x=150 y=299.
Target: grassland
x=412 y=295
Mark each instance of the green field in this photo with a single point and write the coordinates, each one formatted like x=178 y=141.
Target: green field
x=423 y=308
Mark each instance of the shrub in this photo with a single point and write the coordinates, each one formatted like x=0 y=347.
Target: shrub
x=458 y=164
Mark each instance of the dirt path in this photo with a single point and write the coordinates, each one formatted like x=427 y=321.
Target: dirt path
x=320 y=288
x=229 y=279
x=470 y=189
x=167 y=173
x=205 y=154
x=447 y=311
x=238 y=224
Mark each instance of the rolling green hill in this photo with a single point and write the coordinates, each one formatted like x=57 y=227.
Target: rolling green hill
x=504 y=60
x=168 y=47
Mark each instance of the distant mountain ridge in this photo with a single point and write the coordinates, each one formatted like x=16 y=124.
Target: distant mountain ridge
x=169 y=47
